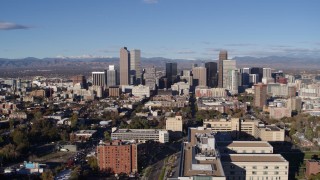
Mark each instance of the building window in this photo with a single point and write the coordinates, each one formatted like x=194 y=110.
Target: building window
x=265 y=172
x=254 y=167
x=254 y=172
x=265 y=167
x=277 y=167
x=276 y=173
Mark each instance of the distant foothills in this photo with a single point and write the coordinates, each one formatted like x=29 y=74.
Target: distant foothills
x=276 y=62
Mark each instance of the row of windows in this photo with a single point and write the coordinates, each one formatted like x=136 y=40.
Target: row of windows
x=255 y=172
x=255 y=167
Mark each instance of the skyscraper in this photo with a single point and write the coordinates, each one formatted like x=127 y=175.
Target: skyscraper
x=260 y=95
x=234 y=80
x=228 y=66
x=199 y=76
x=150 y=78
x=171 y=73
x=257 y=70
x=135 y=65
x=111 y=76
x=124 y=66
x=223 y=55
x=266 y=76
x=245 y=76
x=211 y=74
x=99 y=79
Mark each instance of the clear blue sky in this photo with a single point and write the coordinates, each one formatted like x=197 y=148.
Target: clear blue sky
x=192 y=29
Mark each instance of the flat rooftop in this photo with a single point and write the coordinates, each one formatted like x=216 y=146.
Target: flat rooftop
x=272 y=128
x=192 y=167
x=139 y=131
x=253 y=158
x=243 y=144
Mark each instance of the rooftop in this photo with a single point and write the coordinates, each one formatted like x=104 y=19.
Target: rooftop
x=244 y=144
x=139 y=131
x=253 y=158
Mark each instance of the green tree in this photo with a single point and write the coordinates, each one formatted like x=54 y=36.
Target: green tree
x=47 y=175
x=37 y=115
x=8 y=152
x=74 y=121
x=309 y=133
x=11 y=124
x=93 y=163
x=20 y=138
x=107 y=136
x=75 y=173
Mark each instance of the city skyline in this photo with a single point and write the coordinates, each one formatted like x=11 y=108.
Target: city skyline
x=160 y=28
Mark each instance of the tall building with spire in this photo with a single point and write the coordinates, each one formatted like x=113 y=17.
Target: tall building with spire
x=124 y=66
x=223 y=55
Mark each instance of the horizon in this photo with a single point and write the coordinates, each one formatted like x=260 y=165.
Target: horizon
x=160 y=28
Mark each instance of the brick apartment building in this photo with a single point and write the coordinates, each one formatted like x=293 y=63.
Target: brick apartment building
x=117 y=157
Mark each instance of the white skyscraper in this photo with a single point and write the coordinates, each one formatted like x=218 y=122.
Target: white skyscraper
x=135 y=65
x=234 y=81
x=228 y=66
x=111 y=76
x=99 y=78
x=266 y=78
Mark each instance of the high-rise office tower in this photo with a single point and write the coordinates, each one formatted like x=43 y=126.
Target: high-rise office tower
x=266 y=76
x=124 y=66
x=187 y=76
x=260 y=95
x=99 y=79
x=135 y=65
x=111 y=76
x=211 y=74
x=228 y=66
x=80 y=79
x=150 y=78
x=223 y=55
x=245 y=76
x=235 y=80
x=171 y=73
x=257 y=70
x=199 y=76
x=266 y=72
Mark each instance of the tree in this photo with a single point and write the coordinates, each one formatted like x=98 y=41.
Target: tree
x=8 y=152
x=309 y=133
x=37 y=115
x=47 y=175
x=11 y=123
x=107 y=136
x=20 y=138
x=75 y=173
x=74 y=121
x=93 y=163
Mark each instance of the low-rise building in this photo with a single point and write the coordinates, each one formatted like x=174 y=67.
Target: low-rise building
x=312 y=167
x=279 y=112
x=140 y=135
x=254 y=128
x=18 y=115
x=82 y=135
x=141 y=91
x=174 y=124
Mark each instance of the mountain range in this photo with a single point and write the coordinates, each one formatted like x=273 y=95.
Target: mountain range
x=275 y=62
